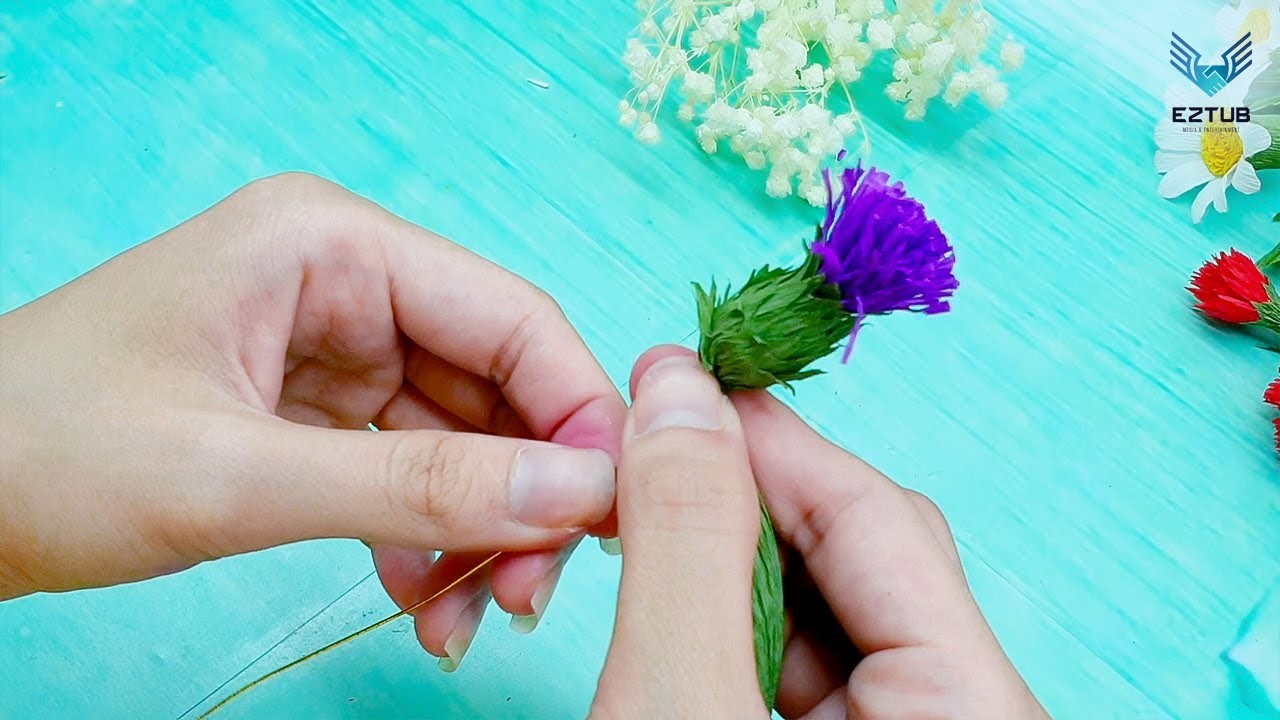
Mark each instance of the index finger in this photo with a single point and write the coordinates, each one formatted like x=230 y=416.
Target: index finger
x=871 y=552
x=490 y=322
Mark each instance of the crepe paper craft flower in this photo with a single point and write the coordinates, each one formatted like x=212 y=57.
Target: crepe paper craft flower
x=876 y=252
x=775 y=80
x=1272 y=395
x=1272 y=398
x=1259 y=18
x=1216 y=157
x=1231 y=289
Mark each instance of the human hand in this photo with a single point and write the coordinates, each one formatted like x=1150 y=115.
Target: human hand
x=206 y=394
x=882 y=625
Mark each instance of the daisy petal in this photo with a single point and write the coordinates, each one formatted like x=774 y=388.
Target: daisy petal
x=1201 y=203
x=1166 y=160
x=1182 y=179
x=1172 y=137
x=1246 y=179
x=1219 y=188
x=1255 y=137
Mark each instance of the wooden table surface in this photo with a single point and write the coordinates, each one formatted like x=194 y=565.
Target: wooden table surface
x=1102 y=455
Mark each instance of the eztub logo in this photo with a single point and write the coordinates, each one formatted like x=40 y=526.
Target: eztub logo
x=1211 y=78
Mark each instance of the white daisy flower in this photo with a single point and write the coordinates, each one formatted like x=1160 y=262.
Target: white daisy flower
x=1259 y=18
x=1214 y=157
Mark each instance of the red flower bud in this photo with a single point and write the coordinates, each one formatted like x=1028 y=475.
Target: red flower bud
x=1230 y=288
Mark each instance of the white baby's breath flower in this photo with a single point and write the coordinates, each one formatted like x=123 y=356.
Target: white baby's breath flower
x=1012 y=55
x=779 y=183
x=847 y=69
x=880 y=34
x=648 y=133
x=959 y=87
x=936 y=57
x=698 y=86
x=778 y=91
x=706 y=139
x=813 y=77
x=842 y=33
x=994 y=95
x=918 y=33
x=845 y=124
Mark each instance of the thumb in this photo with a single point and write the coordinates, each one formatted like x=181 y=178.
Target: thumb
x=424 y=489
x=688 y=518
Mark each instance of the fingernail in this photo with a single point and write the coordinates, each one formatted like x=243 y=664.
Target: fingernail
x=525 y=624
x=611 y=546
x=464 y=631
x=560 y=487
x=677 y=393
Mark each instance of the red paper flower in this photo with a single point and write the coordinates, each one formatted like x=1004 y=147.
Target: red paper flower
x=1272 y=395
x=1230 y=288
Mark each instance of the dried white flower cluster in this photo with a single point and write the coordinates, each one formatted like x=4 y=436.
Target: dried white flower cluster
x=773 y=76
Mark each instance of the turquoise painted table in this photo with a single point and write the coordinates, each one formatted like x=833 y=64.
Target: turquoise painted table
x=1101 y=453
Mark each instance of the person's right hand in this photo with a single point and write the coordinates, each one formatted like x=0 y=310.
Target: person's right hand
x=882 y=623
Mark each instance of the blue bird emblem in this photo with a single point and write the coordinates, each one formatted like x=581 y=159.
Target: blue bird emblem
x=1211 y=78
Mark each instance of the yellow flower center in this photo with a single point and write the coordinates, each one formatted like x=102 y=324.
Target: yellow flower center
x=1221 y=147
x=1258 y=23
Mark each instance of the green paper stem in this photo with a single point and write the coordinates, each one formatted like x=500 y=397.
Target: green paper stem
x=767 y=609
x=769 y=332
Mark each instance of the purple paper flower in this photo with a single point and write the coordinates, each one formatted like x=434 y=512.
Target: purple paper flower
x=882 y=251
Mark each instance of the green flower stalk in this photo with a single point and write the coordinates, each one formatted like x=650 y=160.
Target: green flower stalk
x=876 y=252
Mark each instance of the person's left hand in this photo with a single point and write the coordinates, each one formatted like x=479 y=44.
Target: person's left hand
x=206 y=394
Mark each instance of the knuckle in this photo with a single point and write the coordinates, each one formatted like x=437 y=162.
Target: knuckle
x=292 y=199
x=929 y=509
x=433 y=477
x=543 y=313
x=542 y=303
x=285 y=186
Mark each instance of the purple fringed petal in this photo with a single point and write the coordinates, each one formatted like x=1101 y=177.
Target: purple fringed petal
x=881 y=249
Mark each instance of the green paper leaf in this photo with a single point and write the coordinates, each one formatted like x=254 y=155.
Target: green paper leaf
x=1264 y=92
x=1268 y=159
x=767 y=610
